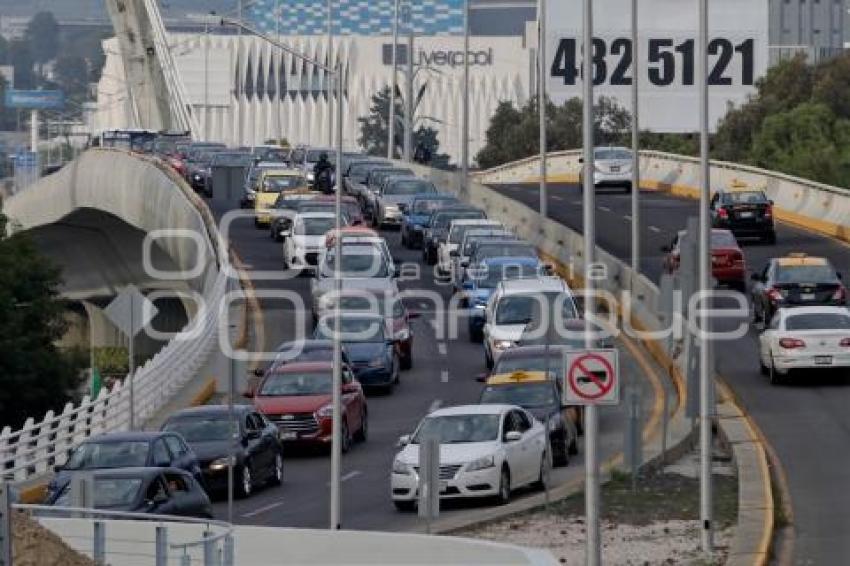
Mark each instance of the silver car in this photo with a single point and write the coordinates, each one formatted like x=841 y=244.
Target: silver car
x=612 y=168
x=395 y=196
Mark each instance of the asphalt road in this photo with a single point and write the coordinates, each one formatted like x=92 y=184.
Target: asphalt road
x=807 y=422
x=443 y=374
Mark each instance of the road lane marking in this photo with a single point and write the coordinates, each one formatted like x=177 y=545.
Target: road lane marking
x=262 y=510
x=577 y=201
x=444 y=376
x=604 y=208
x=655 y=229
x=627 y=217
x=435 y=404
x=556 y=197
x=350 y=475
x=441 y=347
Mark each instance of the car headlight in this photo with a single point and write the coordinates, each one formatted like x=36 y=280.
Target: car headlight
x=311 y=176
x=417 y=228
x=481 y=463
x=251 y=196
x=502 y=344
x=392 y=208
x=479 y=305
x=221 y=463
x=378 y=362
x=402 y=468
x=325 y=412
x=402 y=334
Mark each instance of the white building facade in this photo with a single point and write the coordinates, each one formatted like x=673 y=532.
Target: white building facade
x=243 y=90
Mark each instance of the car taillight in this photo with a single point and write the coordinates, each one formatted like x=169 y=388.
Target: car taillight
x=845 y=343
x=736 y=257
x=723 y=213
x=791 y=343
x=840 y=294
x=774 y=295
x=768 y=211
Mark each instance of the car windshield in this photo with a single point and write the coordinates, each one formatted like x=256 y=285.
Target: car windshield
x=818 y=321
x=271 y=154
x=412 y=187
x=458 y=232
x=612 y=154
x=206 y=428
x=806 y=274
x=526 y=395
x=288 y=203
x=108 y=492
x=511 y=364
x=363 y=264
x=360 y=329
x=521 y=309
x=373 y=304
x=231 y=159
x=360 y=172
x=313 y=155
x=475 y=240
x=315 y=226
x=119 y=454
x=745 y=197
x=441 y=221
x=489 y=276
x=487 y=249
x=458 y=429
x=276 y=184
x=426 y=207
x=296 y=384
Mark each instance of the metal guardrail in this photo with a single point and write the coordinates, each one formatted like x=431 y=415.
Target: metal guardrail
x=210 y=549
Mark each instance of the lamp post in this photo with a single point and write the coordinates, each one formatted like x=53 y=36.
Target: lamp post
x=541 y=103
x=393 y=86
x=464 y=148
x=336 y=443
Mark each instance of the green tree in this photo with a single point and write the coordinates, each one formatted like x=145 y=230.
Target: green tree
x=808 y=141
x=42 y=34
x=35 y=375
x=374 y=129
x=71 y=75
x=21 y=58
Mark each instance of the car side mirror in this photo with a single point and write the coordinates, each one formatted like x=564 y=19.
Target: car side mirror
x=481 y=377
x=252 y=434
x=454 y=253
x=838 y=274
x=248 y=393
x=548 y=269
x=403 y=441
x=464 y=263
x=666 y=249
x=771 y=202
x=397 y=272
x=755 y=277
x=513 y=436
x=259 y=372
x=58 y=468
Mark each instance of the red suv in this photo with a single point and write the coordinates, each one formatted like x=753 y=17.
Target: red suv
x=297 y=398
x=727 y=260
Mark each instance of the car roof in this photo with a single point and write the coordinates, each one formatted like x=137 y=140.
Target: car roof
x=518 y=377
x=303 y=215
x=793 y=311
x=530 y=351
x=539 y=284
x=434 y=196
x=475 y=222
x=209 y=410
x=139 y=471
x=355 y=315
x=296 y=367
x=146 y=435
x=486 y=409
x=511 y=260
x=282 y=173
x=799 y=260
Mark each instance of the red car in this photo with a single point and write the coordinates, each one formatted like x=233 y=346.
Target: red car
x=728 y=265
x=297 y=398
x=350 y=207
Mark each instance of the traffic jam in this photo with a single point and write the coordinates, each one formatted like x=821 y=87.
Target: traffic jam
x=524 y=422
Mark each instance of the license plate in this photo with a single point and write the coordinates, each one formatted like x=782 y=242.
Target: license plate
x=807 y=296
x=745 y=214
x=823 y=360
x=444 y=486
x=288 y=435
x=615 y=169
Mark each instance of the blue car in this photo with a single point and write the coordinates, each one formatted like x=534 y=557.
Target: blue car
x=372 y=350
x=416 y=216
x=480 y=282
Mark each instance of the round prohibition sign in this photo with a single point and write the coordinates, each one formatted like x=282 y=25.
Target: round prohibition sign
x=591 y=386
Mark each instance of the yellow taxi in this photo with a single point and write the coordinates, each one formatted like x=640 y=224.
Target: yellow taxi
x=539 y=394
x=270 y=185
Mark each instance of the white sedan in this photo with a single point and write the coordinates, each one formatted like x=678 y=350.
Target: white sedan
x=303 y=244
x=805 y=338
x=485 y=451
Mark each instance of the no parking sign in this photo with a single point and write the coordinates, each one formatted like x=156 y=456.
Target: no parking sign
x=591 y=377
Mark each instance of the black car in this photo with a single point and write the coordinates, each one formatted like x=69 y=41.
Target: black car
x=745 y=213
x=158 y=491
x=257 y=449
x=437 y=228
x=308 y=350
x=794 y=281
x=375 y=358
x=125 y=450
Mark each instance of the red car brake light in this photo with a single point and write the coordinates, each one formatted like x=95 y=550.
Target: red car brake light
x=768 y=211
x=791 y=343
x=840 y=294
x=845 y=343
x=723 y=213
x=774 y=295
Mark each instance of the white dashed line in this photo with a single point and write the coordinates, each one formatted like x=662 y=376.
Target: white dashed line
x=627 y=217
x=350 y=476
x=604 y=209
x=577 y=201
x=441 y=347
x=444 y=376
x=435 y=405
x=262 y=510
x=655 y=229
x=556 y=197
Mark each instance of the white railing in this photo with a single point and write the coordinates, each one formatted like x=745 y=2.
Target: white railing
x=32 y=451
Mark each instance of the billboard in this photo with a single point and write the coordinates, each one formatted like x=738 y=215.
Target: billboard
x=667 y=56
x=35 y=99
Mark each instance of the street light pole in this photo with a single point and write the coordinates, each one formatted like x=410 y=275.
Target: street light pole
x=336 y=444
x=393 y=86
x=206 y=80
x=408 y=113
x=635 y=145
x=239 y=78
x=331 y=65
x=464 y=149
x=705 y=376
x=541 y=103
x=591 y=430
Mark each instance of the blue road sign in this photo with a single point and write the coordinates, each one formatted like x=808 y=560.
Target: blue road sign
x=35 y=99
